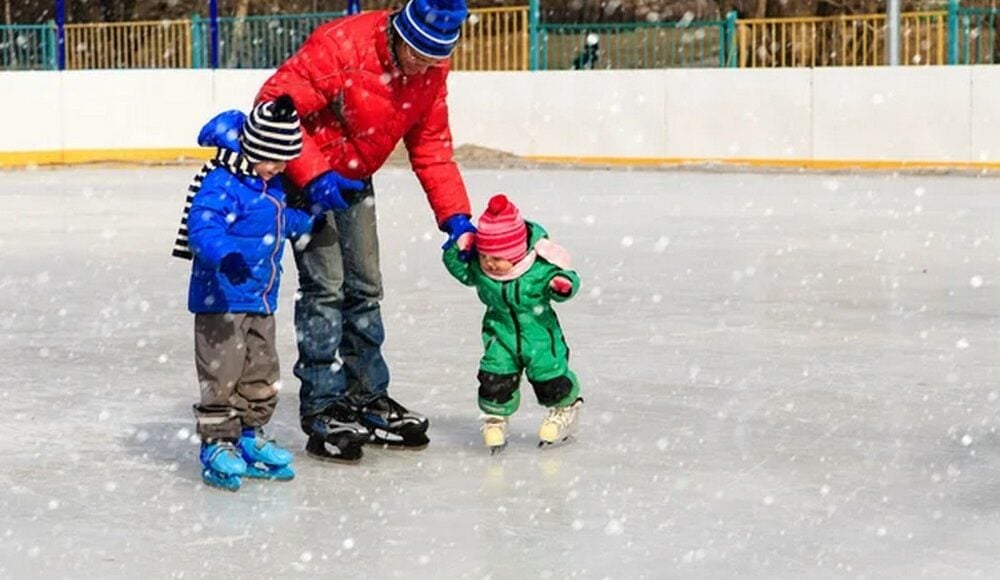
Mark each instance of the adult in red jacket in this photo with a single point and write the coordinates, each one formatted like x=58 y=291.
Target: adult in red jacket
x=360 y=85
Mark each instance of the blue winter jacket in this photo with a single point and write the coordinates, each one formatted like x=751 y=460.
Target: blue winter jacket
x=238 y=213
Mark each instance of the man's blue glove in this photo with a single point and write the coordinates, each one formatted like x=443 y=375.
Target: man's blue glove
x=235 y=267
x=456 y=226
x=328 y=191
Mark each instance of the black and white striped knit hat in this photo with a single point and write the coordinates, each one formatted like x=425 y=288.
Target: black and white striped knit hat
x=272 y=132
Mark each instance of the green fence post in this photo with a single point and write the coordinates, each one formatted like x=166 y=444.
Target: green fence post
x=966 y=56
x=952 y=31
x=731 y=59
x=543 y=57
x=534 y=16
x=723 y=41
x=52 y=45
x=197 y=44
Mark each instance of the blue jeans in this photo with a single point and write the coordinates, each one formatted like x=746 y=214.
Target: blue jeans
x=338 y=321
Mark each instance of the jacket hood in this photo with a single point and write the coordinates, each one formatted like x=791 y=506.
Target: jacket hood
x=535 y=233
x=223 y=131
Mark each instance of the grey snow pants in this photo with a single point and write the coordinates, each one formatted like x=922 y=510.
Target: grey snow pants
x=237 y=366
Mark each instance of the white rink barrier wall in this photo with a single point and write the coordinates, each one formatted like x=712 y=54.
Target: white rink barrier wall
x=828 y=117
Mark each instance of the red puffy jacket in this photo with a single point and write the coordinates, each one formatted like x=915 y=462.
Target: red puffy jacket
x=356 y=105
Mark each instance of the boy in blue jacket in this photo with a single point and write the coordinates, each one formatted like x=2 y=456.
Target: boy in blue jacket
x=235 y=230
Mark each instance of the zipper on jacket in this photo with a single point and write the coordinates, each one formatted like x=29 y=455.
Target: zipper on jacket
x=278 y=240
x=513 y=316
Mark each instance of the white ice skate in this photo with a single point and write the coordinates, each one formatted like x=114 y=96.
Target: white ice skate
x=495 y=433
x=560 y=424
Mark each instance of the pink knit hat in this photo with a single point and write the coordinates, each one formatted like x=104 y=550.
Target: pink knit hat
x=502 y=232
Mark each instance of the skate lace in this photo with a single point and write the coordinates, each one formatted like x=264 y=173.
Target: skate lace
x=395 y=409
x=336 y=416
x=261 y=439
x=562 y=416
x=494 y=422
x=222 y=447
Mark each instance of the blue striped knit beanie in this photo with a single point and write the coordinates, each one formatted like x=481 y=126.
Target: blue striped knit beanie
x=431 y=27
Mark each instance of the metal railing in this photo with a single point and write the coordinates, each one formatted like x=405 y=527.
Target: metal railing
x=507 y=39
x=28 y=47
x=110 y=45
x=494 y=39
x=840 y=40
x=633 y=45
x=263 y=41
x=974 y=35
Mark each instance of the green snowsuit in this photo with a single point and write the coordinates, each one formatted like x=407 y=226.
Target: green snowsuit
x=520 y=332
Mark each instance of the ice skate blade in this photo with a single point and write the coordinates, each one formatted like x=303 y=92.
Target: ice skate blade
x=329 y=458
x=225 y=483
x=270 y=474
x=349 y=451
x=497 y=449
x=410 y=442
x=396 y=446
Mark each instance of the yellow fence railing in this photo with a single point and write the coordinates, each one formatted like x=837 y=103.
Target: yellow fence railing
x=161 y=44
x=850 y=40
x=493 y=39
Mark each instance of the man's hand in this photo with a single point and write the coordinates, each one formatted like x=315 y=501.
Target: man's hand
x=326 y=192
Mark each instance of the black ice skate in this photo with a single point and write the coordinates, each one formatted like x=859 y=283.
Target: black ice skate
x=392 y=426
x=335 y=435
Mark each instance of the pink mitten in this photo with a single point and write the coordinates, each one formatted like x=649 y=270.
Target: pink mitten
x=561 y=286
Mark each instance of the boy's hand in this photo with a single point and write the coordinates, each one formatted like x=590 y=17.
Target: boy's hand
x=327 y=192
x=235 y=267
x=561 y=286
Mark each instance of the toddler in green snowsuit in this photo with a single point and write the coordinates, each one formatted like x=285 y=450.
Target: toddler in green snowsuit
x=517 y=274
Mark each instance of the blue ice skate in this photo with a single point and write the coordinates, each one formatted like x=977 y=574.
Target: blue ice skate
x=265 y=460
x=222 y=467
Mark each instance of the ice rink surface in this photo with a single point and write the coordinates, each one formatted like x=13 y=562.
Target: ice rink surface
x=787 y=376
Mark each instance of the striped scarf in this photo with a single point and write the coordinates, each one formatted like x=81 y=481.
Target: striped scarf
x=229 y=160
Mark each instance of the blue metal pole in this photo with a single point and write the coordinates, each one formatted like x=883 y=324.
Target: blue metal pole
x=213 y=27
x=61 y=34
x=353 y=6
